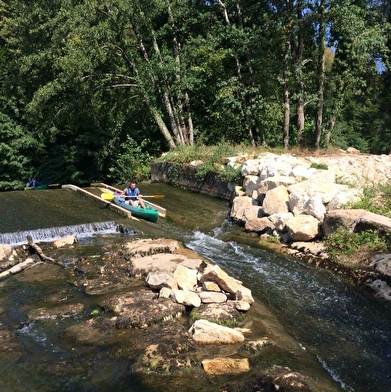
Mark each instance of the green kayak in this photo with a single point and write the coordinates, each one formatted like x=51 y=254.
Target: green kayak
x=149 y=213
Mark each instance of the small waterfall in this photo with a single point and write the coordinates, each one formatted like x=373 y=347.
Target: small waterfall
x=54 y=233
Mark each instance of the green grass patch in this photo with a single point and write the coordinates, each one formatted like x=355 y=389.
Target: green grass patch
x=346 y=243
x=376 y=199
x=319 y=166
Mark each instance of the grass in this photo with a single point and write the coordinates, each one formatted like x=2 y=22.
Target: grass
x=319 y=166
x=210 y=159
x=344 y=244
x=376 y=199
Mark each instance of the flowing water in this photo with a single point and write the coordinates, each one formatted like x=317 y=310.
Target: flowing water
x=346 y=331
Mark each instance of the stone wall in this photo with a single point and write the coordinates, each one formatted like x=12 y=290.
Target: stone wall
x=184 y=175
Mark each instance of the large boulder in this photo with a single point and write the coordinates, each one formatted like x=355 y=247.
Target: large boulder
x=276 y=201
x=302 y=228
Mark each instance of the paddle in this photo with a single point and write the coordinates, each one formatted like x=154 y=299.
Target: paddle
x=111 y=196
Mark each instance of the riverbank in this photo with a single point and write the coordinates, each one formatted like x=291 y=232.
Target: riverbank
x=291 y=202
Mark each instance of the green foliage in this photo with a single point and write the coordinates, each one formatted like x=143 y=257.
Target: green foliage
x=319 y=166
x=81 y=76
x=273 y=239
x=346 y=243
x=17 y=147
x=131 y=163
x=376 y=199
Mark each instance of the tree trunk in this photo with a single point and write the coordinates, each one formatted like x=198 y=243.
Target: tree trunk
x=329 y=129
x=321 y=68
x=239 y=70
x=183 y=105
x=287 y=108
x=299 y=76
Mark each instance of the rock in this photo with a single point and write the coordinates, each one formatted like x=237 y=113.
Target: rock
x=382 y=263
x=337 y=218
x=208 y=297
x=291 y=381
x=369 y=220
x=327 y=190
x=242 y=306
x=315 y=207
x=381 y=288
x=210 y=286
x=6 y=251
x=140 y=267
x=314 y=248
x=218 y=366
x=187 y=298
x=343 y=198
x=205 y=332
x=297 y=202
x=226 y=283
x=276 y=201
x=253 y=348
x=162 y=279
x=239 y=206
x=65 y=241
x=303 y=228
x=139 y=309
x=169 y=350
x=259 y=225
x=185 y=278
x=66 y=310
x=355 y=220
x=221 y=313
x=148 y=247
x=279 y=220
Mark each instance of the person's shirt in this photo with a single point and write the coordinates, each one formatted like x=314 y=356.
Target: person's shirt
x=132 y=193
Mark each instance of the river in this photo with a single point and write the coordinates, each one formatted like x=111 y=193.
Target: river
x=345 y=329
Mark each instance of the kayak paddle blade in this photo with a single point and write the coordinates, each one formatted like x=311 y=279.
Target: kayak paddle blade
x=107 y=196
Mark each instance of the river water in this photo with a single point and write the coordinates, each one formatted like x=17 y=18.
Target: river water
x=346 y=330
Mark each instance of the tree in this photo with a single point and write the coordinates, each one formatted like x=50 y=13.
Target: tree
x=358 y=34
x=16 y=148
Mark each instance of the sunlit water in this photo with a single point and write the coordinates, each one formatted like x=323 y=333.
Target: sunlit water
x=348 y=332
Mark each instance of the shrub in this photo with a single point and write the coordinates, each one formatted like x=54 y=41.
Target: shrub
x=132 y=163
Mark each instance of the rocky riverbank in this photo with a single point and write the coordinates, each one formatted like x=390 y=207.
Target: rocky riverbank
x=194 y=318
x=298 y=200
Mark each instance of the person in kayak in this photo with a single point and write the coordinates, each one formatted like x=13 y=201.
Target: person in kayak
x=132 y=195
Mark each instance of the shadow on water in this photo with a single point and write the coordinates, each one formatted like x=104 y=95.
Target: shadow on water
x=347 y=333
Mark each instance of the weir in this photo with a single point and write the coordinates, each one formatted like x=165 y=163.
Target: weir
x=54 y=233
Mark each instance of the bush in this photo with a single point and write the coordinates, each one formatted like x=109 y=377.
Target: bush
x=132 y=163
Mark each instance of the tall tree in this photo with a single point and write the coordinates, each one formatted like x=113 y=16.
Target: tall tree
x=358 y=34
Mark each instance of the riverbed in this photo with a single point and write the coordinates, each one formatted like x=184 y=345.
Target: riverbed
x=347 y=332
